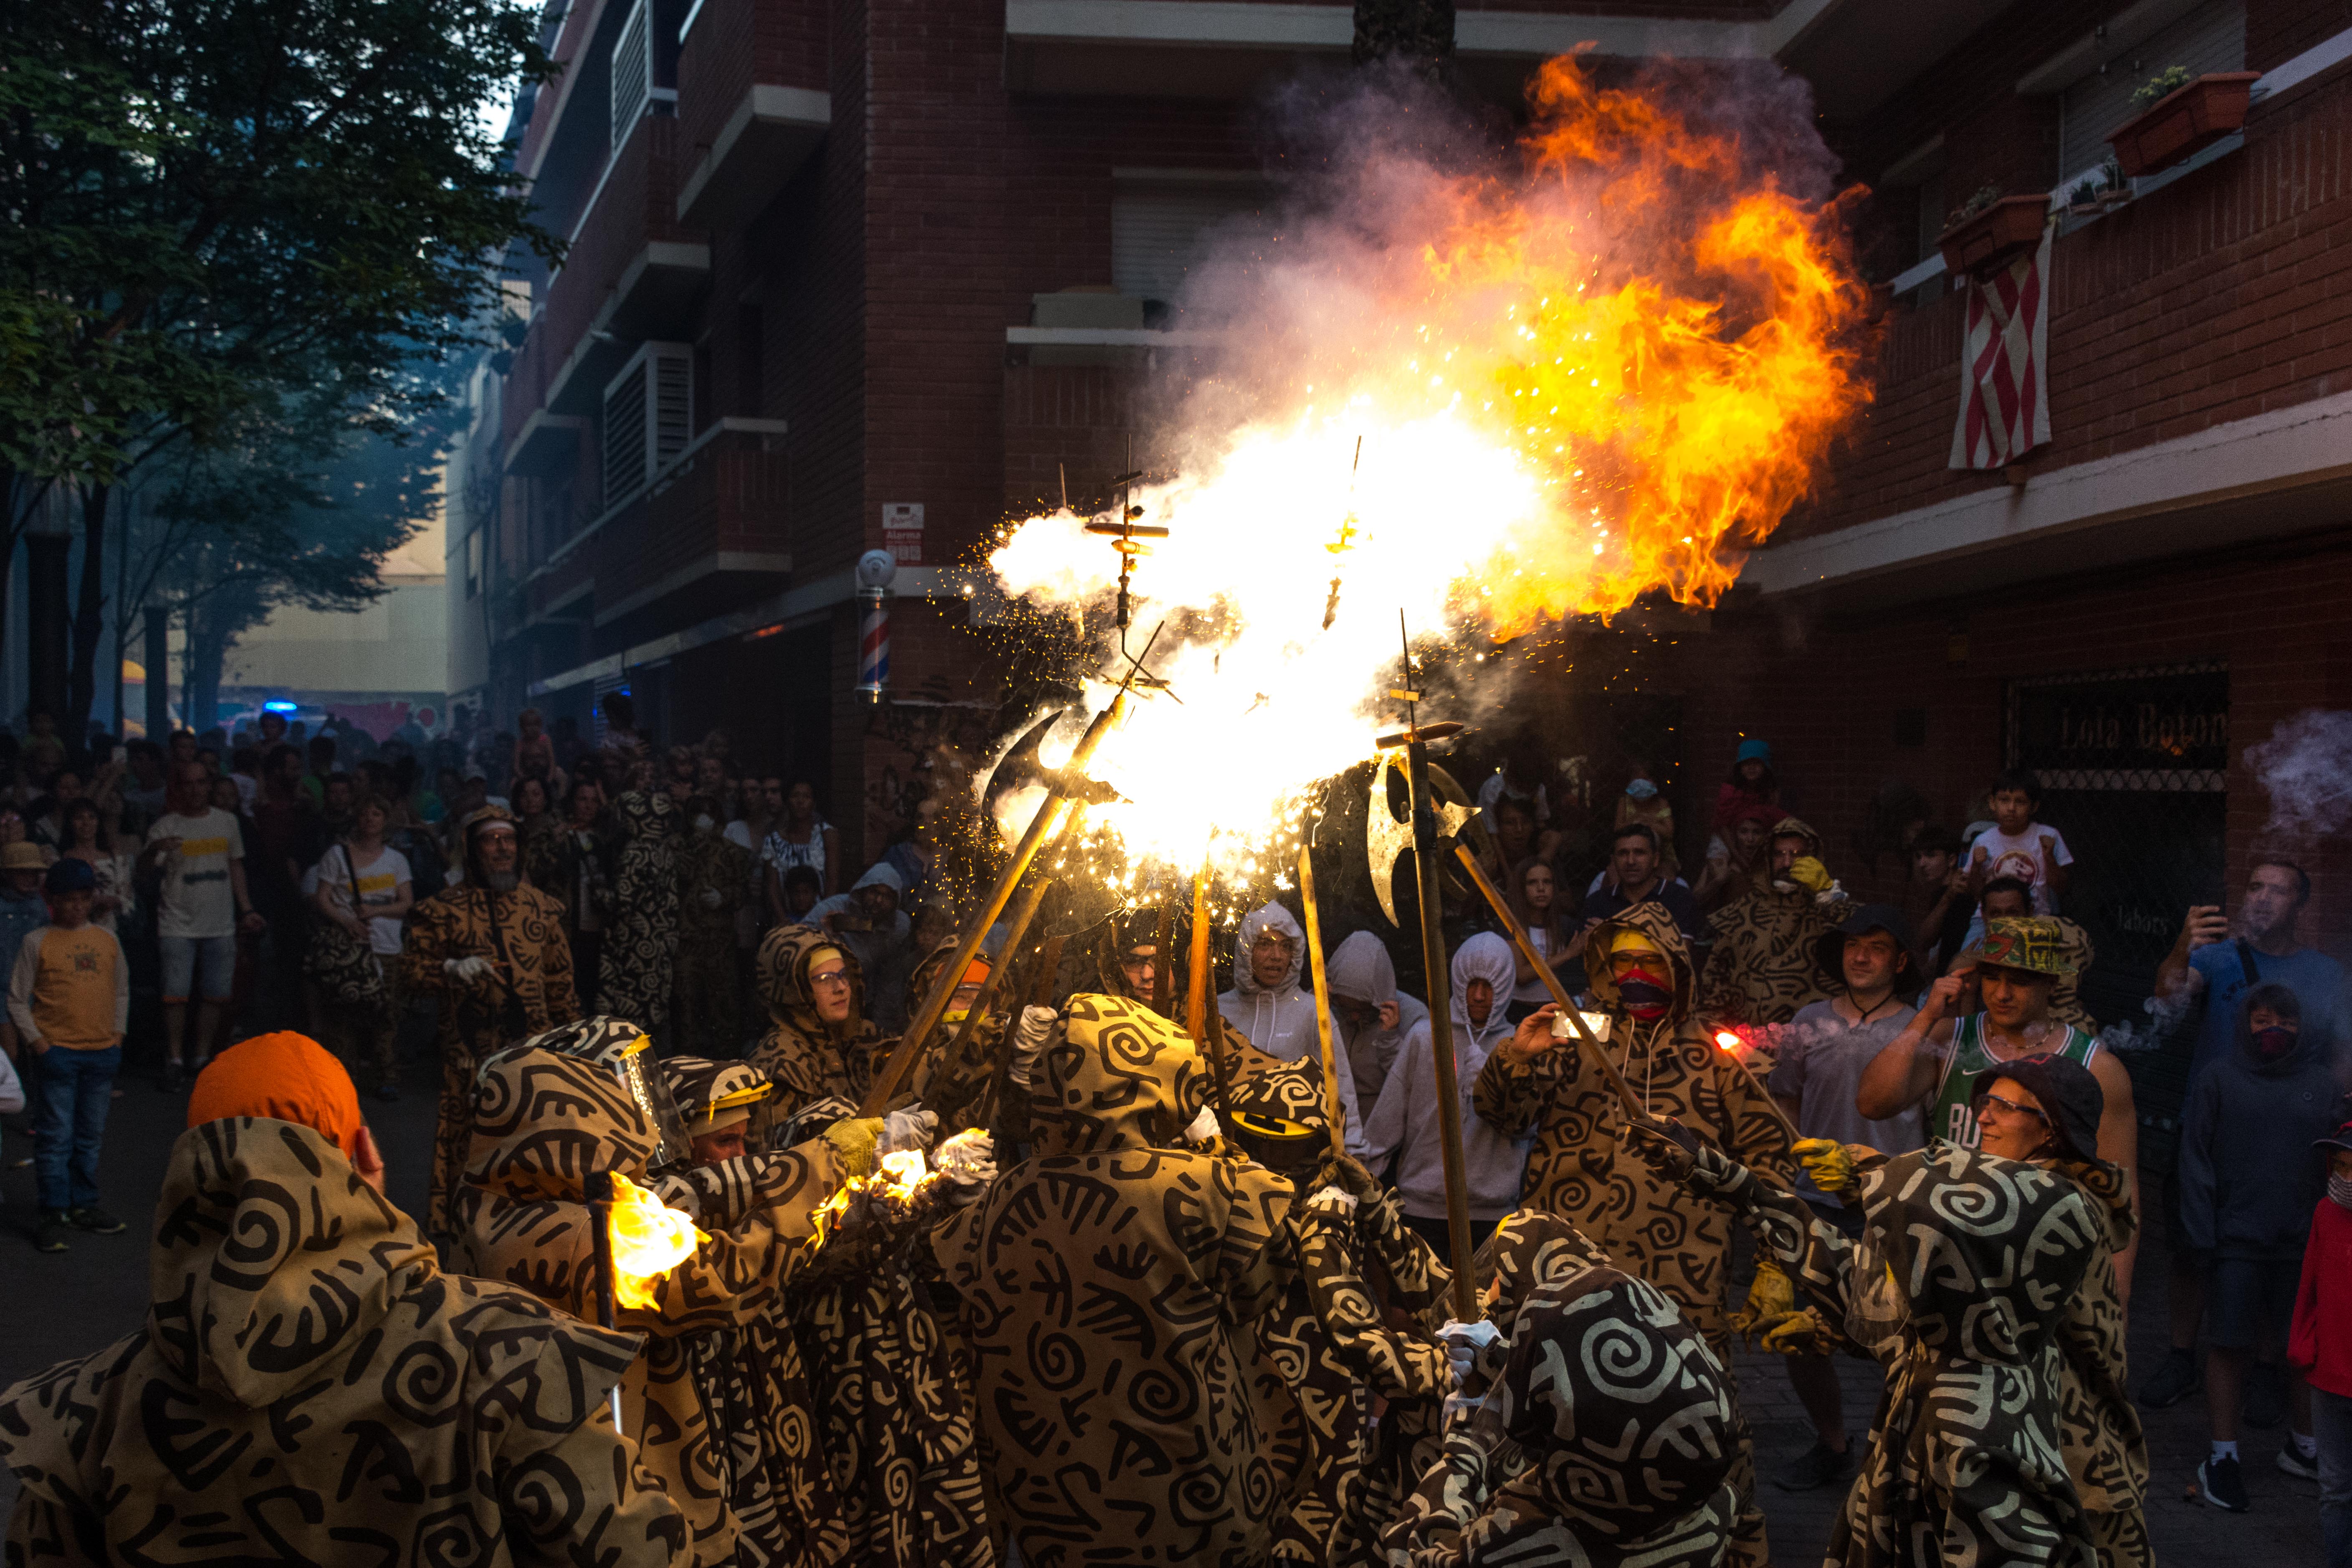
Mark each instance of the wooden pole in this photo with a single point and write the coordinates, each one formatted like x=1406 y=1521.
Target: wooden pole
x=1762 y=1093
x=1163 y=965
x=1332 y=1109
x=1196 y=988
x=1049 y=817
x=1594 y=1048
x=1441 y=1030
x=1022 y=913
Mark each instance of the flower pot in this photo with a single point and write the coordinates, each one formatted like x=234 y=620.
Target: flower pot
x=1983 y=242
x=2183 y=122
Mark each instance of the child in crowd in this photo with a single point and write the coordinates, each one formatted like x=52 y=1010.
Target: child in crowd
x=2018 y=846
x=2320 y=1344
x=69 y=999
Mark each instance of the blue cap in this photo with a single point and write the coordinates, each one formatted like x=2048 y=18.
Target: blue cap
x=1754 y=751
x=69 y=876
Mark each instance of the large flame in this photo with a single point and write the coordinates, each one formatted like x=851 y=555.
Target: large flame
x=1599 y=377
x=650 y=1240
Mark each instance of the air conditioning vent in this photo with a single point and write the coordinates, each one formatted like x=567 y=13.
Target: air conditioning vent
x=648 y=417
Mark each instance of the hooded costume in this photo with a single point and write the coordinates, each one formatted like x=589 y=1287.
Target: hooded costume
x=1279 y=1020
x=881 y=948
x=546 y=1115
x=1360 y=970
x=1606 y=1438
x=1579 y=1169
x=705 y=994
x=1761 y=969
x=1966 y=1286
x=1405 y=1120
x=1100 y=1289
x=310 y=1387
x=520 y=934
x=804 y=1057
x=1122 y=934
x=641 y=943
x=2247 y=1178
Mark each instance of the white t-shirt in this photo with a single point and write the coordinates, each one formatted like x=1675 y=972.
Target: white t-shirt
x=2022 y=858
x=196 y=900
x=380 y=881
x=1533 y=989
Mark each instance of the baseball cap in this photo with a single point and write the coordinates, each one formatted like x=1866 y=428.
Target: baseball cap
x=69 y=876
x=2339 y=1139
x=22 y=855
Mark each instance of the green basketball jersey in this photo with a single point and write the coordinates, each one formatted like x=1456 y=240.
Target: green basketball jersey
x=1949 y=1115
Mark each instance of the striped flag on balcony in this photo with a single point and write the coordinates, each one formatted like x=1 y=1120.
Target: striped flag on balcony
x=2004 y=387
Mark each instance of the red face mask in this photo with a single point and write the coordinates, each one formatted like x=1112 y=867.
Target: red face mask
x=1644 y=995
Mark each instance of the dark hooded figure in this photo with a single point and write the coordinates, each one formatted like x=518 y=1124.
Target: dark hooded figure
x=819 y=1041
x=1580 y=1169
x=1128 y=956
x=1963 y=1286
x=1101 y=1285
x=1604 y=1439
x=640 y=953
x=546 y=1115
x=493 y=950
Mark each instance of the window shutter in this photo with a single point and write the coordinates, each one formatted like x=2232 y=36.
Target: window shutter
x=2210 y=38
x=648 y=417
x=1159 y=230
x=632 y=69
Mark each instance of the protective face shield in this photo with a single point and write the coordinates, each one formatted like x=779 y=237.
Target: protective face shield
x=1645 y=979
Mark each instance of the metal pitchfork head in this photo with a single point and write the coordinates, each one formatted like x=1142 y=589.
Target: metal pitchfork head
x=1387 y=840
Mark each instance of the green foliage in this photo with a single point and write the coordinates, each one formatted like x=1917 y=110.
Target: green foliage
x=1985 y=195
x=2162 y=85
x=211 y=204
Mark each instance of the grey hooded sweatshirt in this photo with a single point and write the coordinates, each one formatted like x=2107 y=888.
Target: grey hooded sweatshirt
x=1280 y=1019
x=1362 y=972
x=1404 y=1122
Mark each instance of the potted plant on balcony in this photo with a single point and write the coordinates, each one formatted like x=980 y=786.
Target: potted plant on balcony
x=1990 y=229
x=2095 y=194
x=2178 y=115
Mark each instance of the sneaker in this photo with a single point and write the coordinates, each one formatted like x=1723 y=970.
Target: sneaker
x=2218 y=1482
x=175 y=1078
x=1819 y=1465
x=55 y=1233
x=2292 y=1462
x=2171 y=1383
x=2264 y=1405
x=96 y=1220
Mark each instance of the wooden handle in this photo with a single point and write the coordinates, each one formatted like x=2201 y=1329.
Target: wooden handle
x=1332 y=1108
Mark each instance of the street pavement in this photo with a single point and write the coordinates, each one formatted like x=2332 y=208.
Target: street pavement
x=67 y=1305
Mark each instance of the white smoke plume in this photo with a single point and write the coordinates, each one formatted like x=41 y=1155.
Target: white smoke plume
x=2305 y=767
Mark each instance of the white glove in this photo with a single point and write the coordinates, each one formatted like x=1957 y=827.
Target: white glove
x=1029 y=1038
x=1463 y=1342
x=471 y=970
x=1335 y=1201
x=968 y=1160
x=1205 y=1127
x=910 y=1128
x=712 y=897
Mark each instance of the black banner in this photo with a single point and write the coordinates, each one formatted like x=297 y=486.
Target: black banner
x=2142 y=721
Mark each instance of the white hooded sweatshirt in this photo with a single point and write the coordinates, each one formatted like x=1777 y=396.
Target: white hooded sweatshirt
x=1405 y=1120
x=1361 y=970
x=1280 y=1020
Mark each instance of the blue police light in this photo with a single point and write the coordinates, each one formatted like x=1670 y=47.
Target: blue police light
x=280 y=707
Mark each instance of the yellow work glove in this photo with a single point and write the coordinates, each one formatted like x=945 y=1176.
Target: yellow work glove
x=1827 y=1163
x=1772 y=1297
x=1810 y=874
x=853 y=1142
x=1799 y=1333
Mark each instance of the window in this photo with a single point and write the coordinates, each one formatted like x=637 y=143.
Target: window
x=473 y=562
x=2210 y=38
x=1162 y=222
x=648 y=417
x=643 y=55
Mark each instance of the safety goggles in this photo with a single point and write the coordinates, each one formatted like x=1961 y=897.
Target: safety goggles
x=1988 y=1098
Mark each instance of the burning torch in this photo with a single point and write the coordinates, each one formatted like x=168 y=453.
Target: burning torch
x=638 y=1239
x=876 y=571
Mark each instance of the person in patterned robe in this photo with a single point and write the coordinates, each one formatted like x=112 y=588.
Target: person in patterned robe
x=1761 y=969
x=641 y=943
x=819 y=1040
x=309 y=1385
x=1579 y=1169
x=493 y=949
x=553 y=1111
x=712 y=873
x=1100 y=1286
x=1604 y=1439
x=1963 y=1286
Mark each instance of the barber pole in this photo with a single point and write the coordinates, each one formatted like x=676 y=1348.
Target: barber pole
x=875 y=569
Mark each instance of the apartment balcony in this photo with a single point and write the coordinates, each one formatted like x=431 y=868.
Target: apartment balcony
x=708 y=529
x=631 y=273
x=2200 y=353
x=752 y=104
